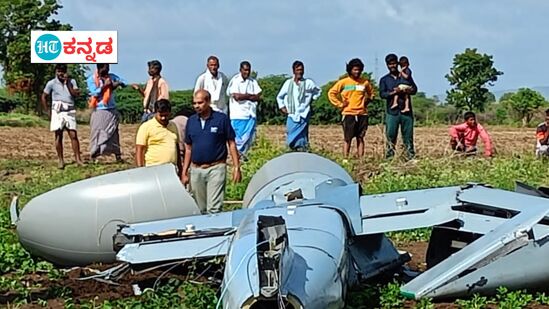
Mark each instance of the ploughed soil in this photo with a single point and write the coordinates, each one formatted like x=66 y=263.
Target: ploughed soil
x=37 y=143
x=78 y=284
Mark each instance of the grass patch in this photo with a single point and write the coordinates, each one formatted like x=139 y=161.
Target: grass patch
x=21 y=120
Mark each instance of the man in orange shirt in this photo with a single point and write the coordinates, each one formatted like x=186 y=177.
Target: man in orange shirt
x=352 y=94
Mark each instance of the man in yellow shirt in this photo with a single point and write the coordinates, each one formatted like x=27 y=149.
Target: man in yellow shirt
x=352 y=94
x=157 y=140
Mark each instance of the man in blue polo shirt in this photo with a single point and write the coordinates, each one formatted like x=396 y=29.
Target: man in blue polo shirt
x=207 y=135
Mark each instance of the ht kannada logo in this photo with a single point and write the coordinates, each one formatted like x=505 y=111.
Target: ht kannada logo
x=47 y=47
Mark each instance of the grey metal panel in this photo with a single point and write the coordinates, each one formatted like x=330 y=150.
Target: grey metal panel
x=199 y=222
x=501 y=199
x=183 y=248
x=521 y=269
x=288 y=164
x=422 y=208
x=408 y=209
x=140 y=253
x=399 y=222
x=74 y=224
x=343 y=198
x=388 y=203
x=512 y=230
x=374 y=254
x=482 y=224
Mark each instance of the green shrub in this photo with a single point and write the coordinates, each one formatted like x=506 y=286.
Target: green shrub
x=21 y=120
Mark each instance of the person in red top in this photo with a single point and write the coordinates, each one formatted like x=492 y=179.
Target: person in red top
x=542 y=137
x=464 y=136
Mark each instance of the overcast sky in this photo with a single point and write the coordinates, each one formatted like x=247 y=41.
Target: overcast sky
x=322 y=33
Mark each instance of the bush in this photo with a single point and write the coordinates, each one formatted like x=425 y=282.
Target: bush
x=267 y=109
x=9 y=103
x=130 y=105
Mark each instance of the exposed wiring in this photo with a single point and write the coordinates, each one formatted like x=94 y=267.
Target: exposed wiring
x=167 y=271
x=154 y=267
x=123 y=268
x=226 y=287
x=106 y=273
x=184 y=261
x=248 y=273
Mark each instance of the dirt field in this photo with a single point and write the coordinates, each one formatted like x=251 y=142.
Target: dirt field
x=429 y=141
x=37 y=143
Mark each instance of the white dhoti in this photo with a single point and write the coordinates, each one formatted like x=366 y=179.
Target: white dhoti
x=63 y=115
x=542 y=150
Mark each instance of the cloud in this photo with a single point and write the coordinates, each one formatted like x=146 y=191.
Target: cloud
x=323 y=33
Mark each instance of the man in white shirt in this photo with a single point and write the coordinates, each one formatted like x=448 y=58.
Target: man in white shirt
x=244 y=93
x=63 y=90
x=215 y=82
x=294 y=100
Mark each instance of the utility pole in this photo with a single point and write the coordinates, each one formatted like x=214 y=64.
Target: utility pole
x=376 y=67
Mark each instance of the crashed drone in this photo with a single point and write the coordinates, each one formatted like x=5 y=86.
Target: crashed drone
x=304 y=235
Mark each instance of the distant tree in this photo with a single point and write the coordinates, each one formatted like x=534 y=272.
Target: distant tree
x=524 y=103
x=470 y=74
x=323 y=111
x=424 y=108
x=17 y=19
x=490 y=97
x=505 y=97
x=267 y=109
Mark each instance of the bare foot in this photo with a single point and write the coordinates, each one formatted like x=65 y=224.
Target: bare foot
x=79 y=163
x=405 y=110
x=394 y=106
x=61 y=165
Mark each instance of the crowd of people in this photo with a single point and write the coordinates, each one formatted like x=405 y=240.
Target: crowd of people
x=225 y=119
